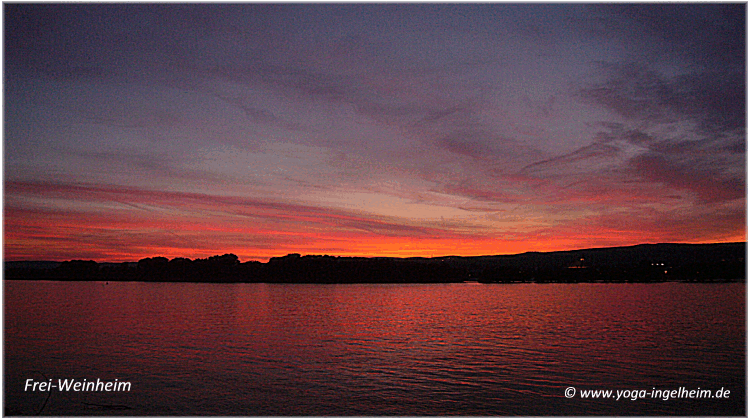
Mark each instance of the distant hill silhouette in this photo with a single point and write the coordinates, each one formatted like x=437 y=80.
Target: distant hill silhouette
x=639 y=263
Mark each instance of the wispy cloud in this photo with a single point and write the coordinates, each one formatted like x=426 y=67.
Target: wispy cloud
x=401 y=129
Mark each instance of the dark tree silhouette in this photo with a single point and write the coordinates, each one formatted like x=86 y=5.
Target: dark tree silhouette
x=640 y=263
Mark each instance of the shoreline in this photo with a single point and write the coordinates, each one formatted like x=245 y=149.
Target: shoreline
x=649 y=263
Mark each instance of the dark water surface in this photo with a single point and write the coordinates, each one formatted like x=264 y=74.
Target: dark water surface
x=371 y=350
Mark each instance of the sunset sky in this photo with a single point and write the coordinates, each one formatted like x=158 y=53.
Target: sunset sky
x=192 y=130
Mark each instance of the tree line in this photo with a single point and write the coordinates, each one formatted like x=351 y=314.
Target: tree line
x=641 y=263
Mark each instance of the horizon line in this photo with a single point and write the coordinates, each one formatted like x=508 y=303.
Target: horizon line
x=403 y=258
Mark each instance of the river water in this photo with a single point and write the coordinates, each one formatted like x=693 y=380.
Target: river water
x=374 y=350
